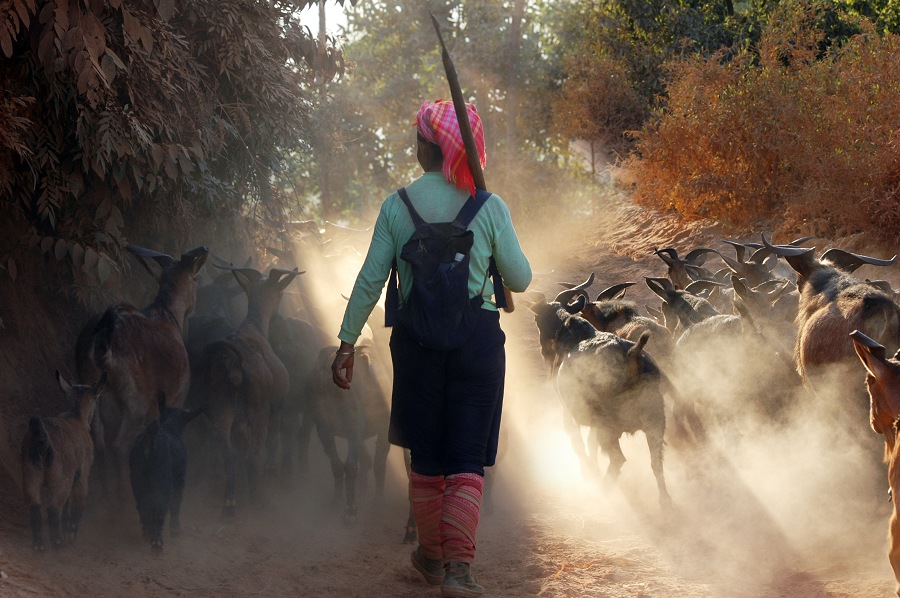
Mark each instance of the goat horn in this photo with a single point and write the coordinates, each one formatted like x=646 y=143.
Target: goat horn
x=739 y=249
x=163 y=259
x=196 y=252
x=698 y=256
x=670 y=257
x=147 y=253
x=663 y=285
x=614 y=291
x=866 y=341
x=786 y=250
x=564 y=296
x=848 y=262
x=700 y=286
x=733 y=265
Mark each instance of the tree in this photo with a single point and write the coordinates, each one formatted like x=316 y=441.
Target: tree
x=124 y=119
x=503 y=52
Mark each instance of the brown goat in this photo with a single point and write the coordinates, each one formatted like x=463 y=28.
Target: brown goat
x=832 y=304
x=57 y=453
x=142 y=352
x=883 y=384
x=242 y=384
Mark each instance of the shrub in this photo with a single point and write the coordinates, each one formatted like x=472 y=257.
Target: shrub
x=805 y=141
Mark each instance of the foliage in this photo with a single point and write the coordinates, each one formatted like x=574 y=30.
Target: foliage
x=126 y=119
x=395 y=64
x=807 y=143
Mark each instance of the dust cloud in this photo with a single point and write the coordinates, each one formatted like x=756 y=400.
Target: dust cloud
x=784 y=486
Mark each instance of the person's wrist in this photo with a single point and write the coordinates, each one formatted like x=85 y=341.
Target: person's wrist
x=346 y=349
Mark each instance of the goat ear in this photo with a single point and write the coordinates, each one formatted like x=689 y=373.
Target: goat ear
x=870 y=353
x=284 y=277
x=198 y=258
x=144 y=255
x=242 y=278
x=634 y=355
x=63 y=383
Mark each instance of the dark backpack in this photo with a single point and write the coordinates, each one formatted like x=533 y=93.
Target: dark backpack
x=438 y=312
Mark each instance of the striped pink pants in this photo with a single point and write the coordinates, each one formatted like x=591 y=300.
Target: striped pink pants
x=447 y=511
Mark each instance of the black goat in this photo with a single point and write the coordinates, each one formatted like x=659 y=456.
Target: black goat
x=604 y=381
x=158 y=464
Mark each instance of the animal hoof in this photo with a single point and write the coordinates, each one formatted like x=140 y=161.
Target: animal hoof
x=39 y=547
x=228 y=511
x=410 y=537
x=350 y=519
x=156 y=546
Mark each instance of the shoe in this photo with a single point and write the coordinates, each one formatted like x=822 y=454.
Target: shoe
x=431 y=569
x=459 y=582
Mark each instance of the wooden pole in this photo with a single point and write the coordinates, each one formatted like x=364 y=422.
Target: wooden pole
x=465 y=129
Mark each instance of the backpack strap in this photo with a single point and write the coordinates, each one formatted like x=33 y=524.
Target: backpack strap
x=392 y=298
x=497 y=280
x=418 y=221
x=470 y=208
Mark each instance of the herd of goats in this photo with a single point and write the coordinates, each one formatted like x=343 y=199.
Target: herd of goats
x=260 y=384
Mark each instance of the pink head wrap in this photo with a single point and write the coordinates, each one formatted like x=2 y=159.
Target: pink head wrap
x=436 y=122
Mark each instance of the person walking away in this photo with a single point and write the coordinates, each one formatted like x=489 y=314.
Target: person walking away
x=448 y=356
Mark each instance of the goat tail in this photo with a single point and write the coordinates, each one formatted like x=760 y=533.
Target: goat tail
x=39 y=448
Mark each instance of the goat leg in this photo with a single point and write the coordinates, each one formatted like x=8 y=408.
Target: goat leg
x=37 y=524
x=54 y=521
x=228 y=454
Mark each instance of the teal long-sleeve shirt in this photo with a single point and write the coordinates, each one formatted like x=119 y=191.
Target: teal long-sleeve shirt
x=436 y=201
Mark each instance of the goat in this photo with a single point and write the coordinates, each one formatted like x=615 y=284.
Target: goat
x=357 y=414
x=610 y=312
x=297 y=343
x=605 y=382
x=832 y=304
x=242 y=384
x=142 y=352
x=883 y=385
x=158 y=467
x=720 y=347
x=677 y=266
x=57 y=453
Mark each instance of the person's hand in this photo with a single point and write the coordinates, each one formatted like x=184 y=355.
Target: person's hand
x=342 y=366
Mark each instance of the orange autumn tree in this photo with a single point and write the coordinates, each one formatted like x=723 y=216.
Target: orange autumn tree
x=789 y=135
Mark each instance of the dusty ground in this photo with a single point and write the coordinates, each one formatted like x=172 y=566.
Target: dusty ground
x=772 y=512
